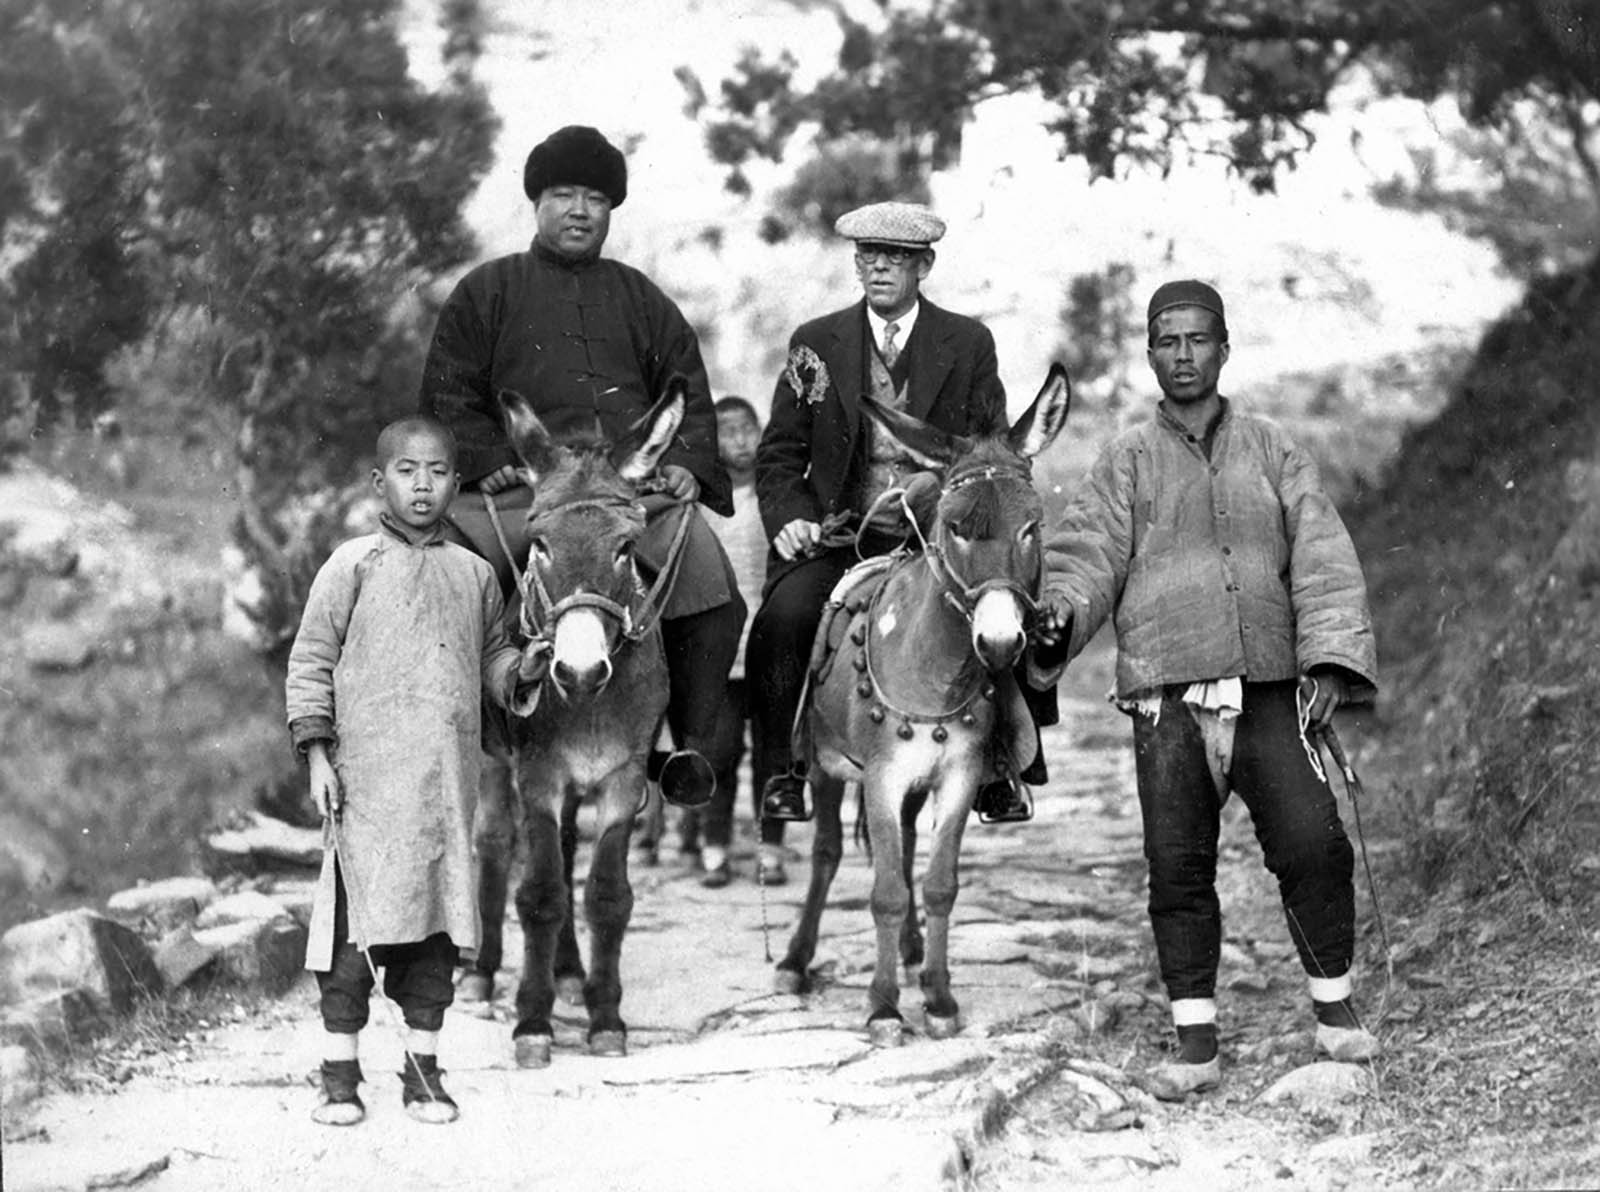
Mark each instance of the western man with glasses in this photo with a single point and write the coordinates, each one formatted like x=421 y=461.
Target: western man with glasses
x=822 y=465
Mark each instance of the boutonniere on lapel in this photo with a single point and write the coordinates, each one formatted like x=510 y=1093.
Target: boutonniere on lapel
x=806 y=375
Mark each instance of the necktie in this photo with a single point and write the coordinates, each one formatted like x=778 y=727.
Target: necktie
x=891 y=350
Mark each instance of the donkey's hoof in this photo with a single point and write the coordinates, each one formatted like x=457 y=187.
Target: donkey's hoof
x=886 y=1032
x=786 y=980
x=940 y=1027
x=533 y=1051
x=570 y=990
x=608 y=1043
x=475 y=987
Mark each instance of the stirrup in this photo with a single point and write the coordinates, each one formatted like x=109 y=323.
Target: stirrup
x=783 y=798
x=1018 y=809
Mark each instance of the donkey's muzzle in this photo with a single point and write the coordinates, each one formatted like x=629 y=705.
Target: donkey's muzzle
x=999 y=629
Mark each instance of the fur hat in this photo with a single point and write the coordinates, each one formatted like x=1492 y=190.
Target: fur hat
x=577 y=155
x=1186 y=293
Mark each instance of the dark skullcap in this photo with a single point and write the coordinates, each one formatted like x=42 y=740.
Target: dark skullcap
x=1187 y=292
x=577 y=155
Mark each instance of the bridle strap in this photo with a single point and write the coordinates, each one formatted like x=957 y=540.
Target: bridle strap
x=540 y=611
x=958 y=593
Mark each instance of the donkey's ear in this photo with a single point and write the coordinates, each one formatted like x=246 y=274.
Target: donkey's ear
x=1043 y=420
x=928 y=445
x=659 y=427
x=529 y=437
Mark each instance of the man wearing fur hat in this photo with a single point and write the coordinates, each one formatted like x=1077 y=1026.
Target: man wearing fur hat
x=591 y=342
x=1242 y=623
x=820 y=460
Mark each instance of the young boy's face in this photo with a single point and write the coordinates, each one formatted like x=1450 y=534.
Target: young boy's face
x=737 y=436
x=418 y=480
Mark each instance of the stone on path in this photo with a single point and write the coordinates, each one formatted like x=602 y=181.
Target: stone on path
x=77 y=950
x=1323 y=1084
x=166 y=904
x=51 y=1021
x=296 y=896
x=261 y=841
x=267 y=953
x=247 y=906
x=19 y=1077
x=751 y=1053
x=179 y=956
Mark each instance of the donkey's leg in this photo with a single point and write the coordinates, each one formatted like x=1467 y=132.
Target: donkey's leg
x=494 y=840
x=827 y=847
x=569 y=959
x=939 y=889
x=608 y=905
x=541 y=906
x=891 y=899
x=911 y=950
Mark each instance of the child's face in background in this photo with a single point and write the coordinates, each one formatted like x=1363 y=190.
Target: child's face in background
x=737 y=436
x=418 y=481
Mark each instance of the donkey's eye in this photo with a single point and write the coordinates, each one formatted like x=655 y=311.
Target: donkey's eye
x=1029 y=533
x=624 y=555
x=539 y=549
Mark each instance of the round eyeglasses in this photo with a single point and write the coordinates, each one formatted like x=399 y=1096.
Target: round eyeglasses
x=894 y=254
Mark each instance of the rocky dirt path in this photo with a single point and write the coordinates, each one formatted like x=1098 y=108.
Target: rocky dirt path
x=729 y=1086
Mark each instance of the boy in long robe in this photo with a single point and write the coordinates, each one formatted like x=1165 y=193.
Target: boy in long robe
x=401 y=634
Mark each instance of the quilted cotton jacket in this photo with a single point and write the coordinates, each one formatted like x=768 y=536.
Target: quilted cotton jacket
x=1236 y=564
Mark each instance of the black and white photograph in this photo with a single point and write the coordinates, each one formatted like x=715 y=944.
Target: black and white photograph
x=774 y=595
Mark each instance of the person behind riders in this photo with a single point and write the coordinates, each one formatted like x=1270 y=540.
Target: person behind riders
x=1242 y=624
x=821 y=460
x=590 y=341
x=738 y=432
x=401 y=635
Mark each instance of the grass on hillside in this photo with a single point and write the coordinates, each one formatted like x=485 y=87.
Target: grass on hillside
x=1478 y=555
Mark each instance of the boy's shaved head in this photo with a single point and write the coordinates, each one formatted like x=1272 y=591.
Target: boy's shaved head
x=391 y=437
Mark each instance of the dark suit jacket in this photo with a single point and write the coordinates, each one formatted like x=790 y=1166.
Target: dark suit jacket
x=812 y=455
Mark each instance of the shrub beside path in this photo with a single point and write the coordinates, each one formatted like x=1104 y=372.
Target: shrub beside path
x=728 y=1085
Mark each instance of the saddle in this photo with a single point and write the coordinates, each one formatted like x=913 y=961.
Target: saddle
x=1015 y=741
x=852 y=595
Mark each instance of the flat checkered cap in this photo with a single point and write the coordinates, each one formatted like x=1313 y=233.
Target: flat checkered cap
x=910 y=225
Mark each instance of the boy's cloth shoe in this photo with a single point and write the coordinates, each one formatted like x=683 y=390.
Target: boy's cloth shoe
x=784 y=798
x=1347 y=1044
x=718 y=872
x=1174 y=1082
x=1003 y=802
x=769 y=866
x=341 y=1103
x=422 y=1090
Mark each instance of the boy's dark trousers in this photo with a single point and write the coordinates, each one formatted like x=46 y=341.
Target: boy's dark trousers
x=417 y=977
x=1296 y=820
x=727 y=750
